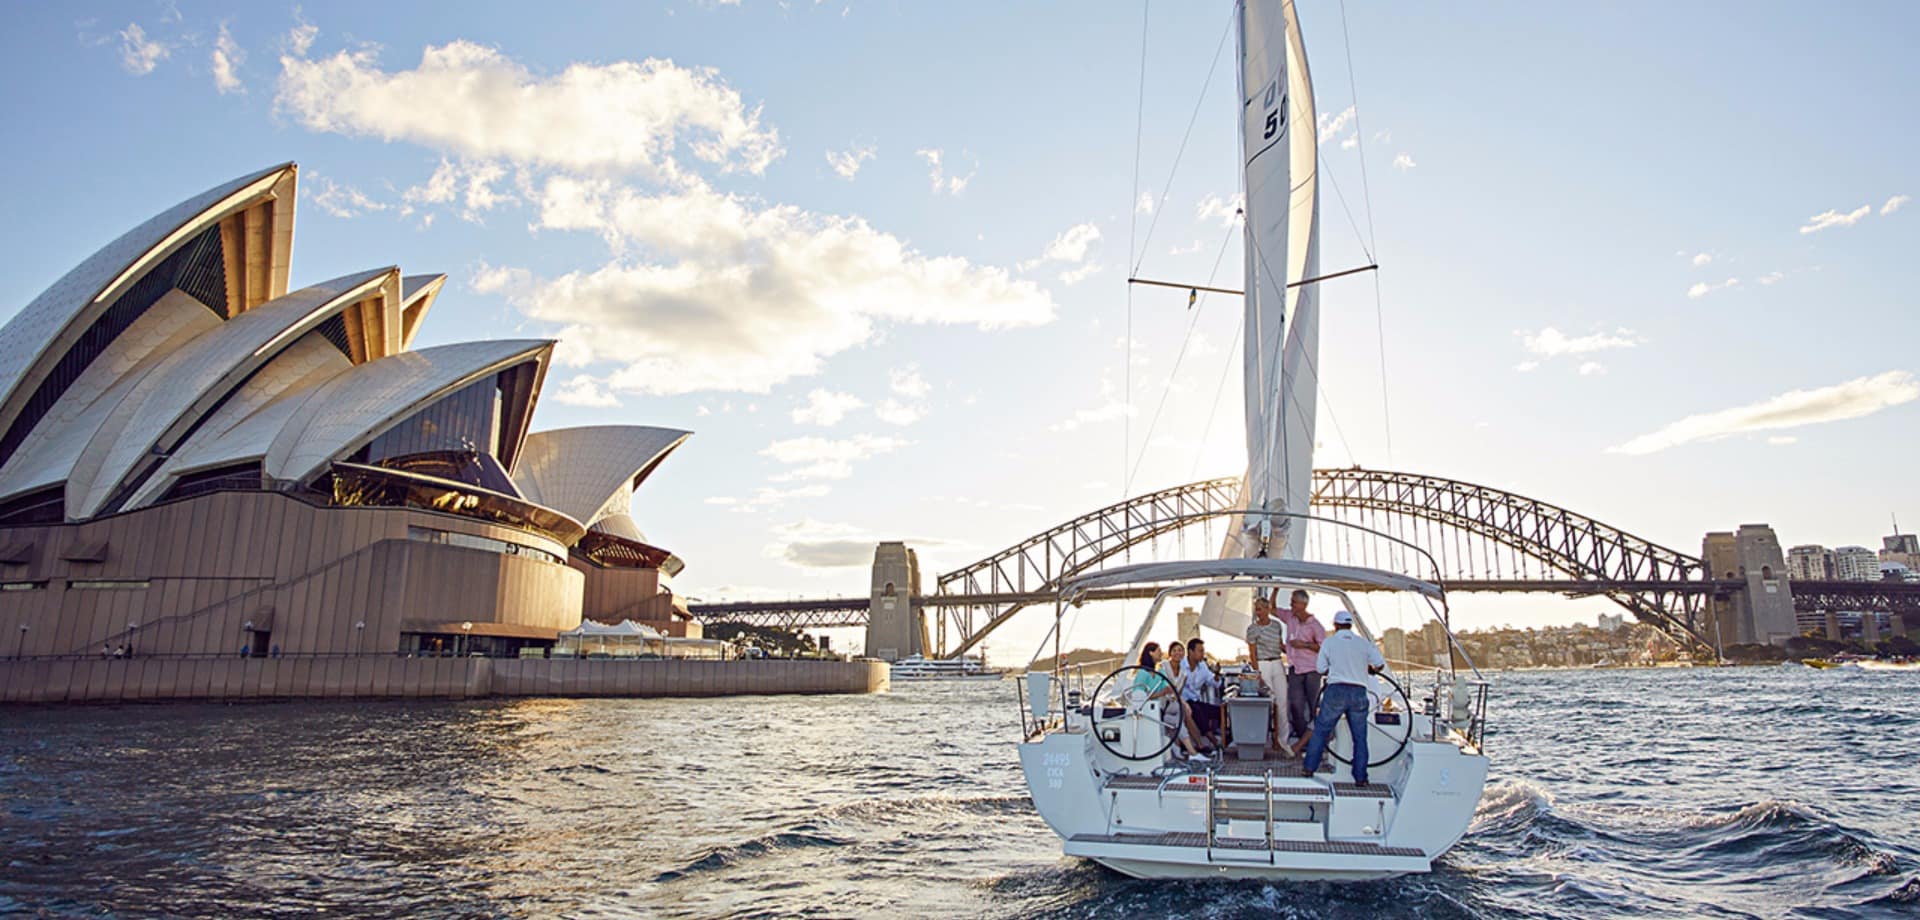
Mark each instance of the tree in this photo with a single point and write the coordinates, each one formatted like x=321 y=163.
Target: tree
x=783 y=643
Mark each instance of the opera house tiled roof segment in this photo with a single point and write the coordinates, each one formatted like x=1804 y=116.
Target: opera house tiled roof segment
x=175 y=358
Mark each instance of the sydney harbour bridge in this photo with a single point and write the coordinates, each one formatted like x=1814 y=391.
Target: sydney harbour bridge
x=1480 y=539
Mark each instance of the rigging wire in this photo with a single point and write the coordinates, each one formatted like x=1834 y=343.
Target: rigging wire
x=1192 y=119
x=1133 y=223
x=1226 y=370
x=1366 y=191
x=1167 y=388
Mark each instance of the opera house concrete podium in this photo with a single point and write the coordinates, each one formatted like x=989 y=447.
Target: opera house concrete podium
x=199 y=465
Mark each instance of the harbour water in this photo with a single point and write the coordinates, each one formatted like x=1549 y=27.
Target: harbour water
x=1713 y=792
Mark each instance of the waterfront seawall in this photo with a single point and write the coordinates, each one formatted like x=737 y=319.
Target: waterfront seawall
x=109 y=680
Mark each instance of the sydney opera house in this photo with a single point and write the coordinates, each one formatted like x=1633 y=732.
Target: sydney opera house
x=196 y=460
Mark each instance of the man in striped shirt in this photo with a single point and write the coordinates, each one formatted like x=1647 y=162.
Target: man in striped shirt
x=1267 y=653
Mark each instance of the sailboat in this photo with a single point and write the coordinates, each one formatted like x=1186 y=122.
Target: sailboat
x=1100 y=765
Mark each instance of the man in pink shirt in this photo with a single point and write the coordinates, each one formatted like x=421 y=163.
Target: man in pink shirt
x=1304 y=635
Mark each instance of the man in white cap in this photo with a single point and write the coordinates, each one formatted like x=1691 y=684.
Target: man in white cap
x=1348 y=660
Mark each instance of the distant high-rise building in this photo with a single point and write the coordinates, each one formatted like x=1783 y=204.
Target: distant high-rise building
x=1810 y=562
x=1903 y=548
x=1855 y=563
x=1611 y=622
x=1393 y=645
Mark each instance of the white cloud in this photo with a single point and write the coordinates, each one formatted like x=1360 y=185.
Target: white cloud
x=1331 y=126
x=1591 y=368
x=227 y=57
x=338 y=200
x=1352 y=141
x=300 y=38
x=1145 y=204
x=1551 y=343
x=473 y=101
x=1702 y=288
x=583 y=390
x=1782 y=440
x=1527 y=366
x=1852 y=399
x=846 y=163
x=767 y=499
x=1074 y=276
x=1825 y=219
x=1112 y=409
x=826 y=408
x=1403 y=162
x=944 y=183
x=1893 y=204
x=138 y=53
x=813 y=544
x=825 y=458
x=1070 y=247
x=895 y=412
x=907 y=405
x=907 y=382
x=1072 y=243
x=1224 y=210
x=470 y=183
x=734 y=295
x=1771 y=277
x=1702 y=259
x=1188 y=249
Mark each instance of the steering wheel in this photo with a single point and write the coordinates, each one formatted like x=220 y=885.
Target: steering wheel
x=1132 y=701
x=1405 y=711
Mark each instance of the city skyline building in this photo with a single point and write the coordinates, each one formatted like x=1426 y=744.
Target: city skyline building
x=1855 y=563
x=1810 y=562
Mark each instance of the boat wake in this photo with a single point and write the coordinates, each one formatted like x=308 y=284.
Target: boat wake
x=1528 y=856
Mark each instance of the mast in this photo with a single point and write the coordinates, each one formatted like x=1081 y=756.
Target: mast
x=1279 y=143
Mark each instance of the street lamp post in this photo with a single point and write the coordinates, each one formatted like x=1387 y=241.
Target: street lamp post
x=19 y=648
x=360 y=637
x=466 y=638
x=131 y=629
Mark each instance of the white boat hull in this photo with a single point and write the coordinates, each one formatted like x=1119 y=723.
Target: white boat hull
x=1419 y=805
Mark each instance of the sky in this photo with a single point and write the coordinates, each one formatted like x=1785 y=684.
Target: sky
x=1649 y=262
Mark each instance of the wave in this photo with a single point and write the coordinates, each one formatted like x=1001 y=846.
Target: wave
x=727 y=856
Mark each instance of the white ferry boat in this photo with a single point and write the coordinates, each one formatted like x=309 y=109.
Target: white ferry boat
x=915 y=667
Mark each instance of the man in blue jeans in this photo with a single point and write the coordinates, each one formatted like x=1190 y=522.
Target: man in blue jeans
x=1348 y=660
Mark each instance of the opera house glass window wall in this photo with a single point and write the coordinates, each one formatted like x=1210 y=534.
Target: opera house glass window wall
x=197 y=454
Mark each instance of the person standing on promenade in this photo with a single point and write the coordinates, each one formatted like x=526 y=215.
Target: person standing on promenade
x=1348 y=660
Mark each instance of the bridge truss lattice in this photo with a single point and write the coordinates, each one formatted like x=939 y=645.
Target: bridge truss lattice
x=1474 y=534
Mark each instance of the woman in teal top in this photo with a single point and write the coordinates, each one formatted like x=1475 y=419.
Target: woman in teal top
x=1160 y=686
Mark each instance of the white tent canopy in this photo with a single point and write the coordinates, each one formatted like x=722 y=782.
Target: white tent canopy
x=626 y=628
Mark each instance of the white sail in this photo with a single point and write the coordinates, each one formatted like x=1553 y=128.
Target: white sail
x=1279 y=146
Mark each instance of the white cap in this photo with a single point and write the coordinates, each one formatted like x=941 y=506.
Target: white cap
x=1343 y=618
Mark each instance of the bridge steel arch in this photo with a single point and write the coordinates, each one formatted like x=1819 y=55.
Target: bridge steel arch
x=1040 y=563
x=1537 y=537
x=1498 y=531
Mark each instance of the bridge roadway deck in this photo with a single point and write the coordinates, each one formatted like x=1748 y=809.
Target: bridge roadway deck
x=852 y=611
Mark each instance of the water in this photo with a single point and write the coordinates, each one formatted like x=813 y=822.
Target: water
x=1733 y=792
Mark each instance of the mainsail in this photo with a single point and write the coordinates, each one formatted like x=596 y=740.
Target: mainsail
x=1279 y=144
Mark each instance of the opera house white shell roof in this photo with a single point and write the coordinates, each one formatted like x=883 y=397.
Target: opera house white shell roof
x=176 y=352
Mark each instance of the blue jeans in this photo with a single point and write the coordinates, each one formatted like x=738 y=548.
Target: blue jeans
x=1338 y=700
